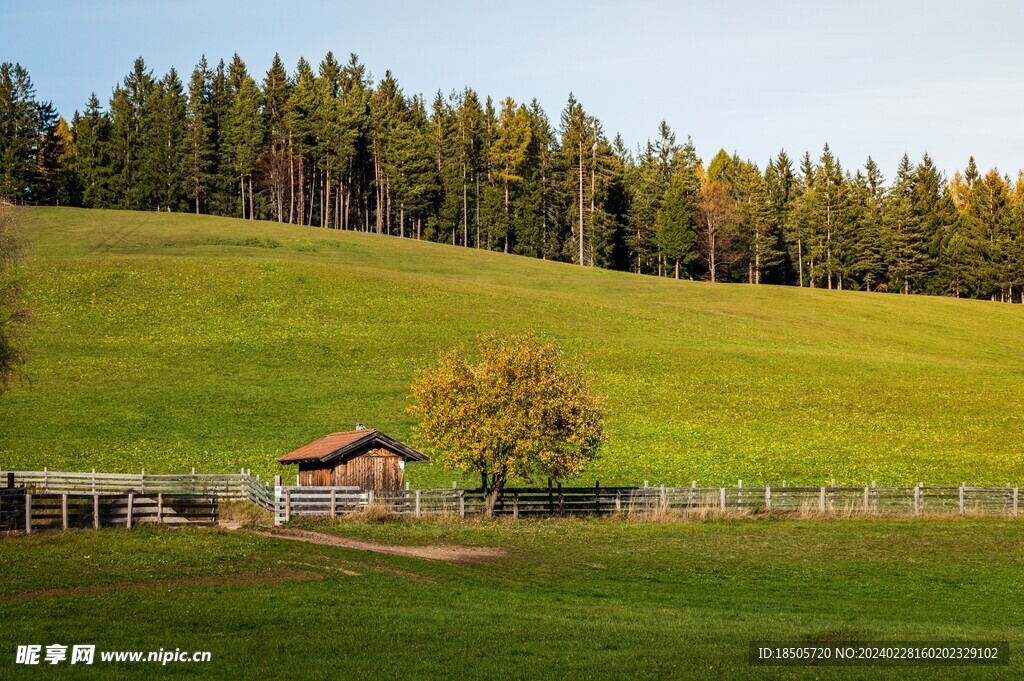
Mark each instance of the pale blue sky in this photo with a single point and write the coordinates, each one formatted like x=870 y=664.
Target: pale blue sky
x=869 y=77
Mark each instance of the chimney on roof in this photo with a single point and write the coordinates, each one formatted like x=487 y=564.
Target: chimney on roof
x=360 y=426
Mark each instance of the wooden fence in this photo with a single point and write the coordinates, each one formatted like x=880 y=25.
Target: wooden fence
x=52 y=499
x=225 y=485
x=28 y=511
x=38 y=500
x=561 y=501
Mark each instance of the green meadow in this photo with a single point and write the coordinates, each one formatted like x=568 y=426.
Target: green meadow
x=167 y=341
x=571 y=599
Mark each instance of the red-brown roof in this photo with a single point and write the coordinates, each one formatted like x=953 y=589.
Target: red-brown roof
x=338 y=444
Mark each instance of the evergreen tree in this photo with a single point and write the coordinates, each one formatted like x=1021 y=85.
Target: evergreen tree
x=166 y=145
x=20 y=118
x=276 y=91
x=243 y=133
x=866 y=195
x=508 y=154
x=129 y=115
x=91 y=137
x=199 y=165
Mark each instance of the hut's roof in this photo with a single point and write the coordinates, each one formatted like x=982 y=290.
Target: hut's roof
x=337 y=445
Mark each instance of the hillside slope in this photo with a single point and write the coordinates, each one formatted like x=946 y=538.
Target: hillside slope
x=169 y=341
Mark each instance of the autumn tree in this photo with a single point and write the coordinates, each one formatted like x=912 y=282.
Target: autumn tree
x=714 y=212
x=517 y=409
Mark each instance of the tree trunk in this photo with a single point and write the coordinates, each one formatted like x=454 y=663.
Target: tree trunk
x=327 y=200
x=291 y=181
x=800 y=260
x=507 y=221
x=302 y=191
x=491 y=492
x=252 y=213
x=581 y=201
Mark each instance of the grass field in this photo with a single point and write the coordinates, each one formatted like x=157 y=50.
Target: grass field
x=572 y=599
x=169 y=341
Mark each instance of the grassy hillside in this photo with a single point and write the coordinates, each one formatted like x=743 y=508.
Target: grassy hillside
x=169 y=341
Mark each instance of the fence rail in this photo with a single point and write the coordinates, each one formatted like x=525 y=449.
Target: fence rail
x=62 y=499
x=28 y=511
x=555 y=501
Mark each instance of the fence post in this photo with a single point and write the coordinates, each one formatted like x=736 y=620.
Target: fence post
x=46 y=479
x=131 y=504
x=193 y=479
x=664 y=499
x=417 y=503
x=597 y=497
x=369 y=498
x=288 y=505
x=64 y=510
x=277 y=499
x=143 y=481
x=962 y=484
x=561 y=500
x=821 y=501
x=1015 y=490
x=867 y=499
x=618 y=501
x=28 y=514
x=767 y=497
x=334 y=502
x=462 y=503
x=515 y=505
x=723 y=499
x=917 y=500
x=739 y=495
x=94 y=481
x=96 y=510
x=551 y=499
x=159 y=508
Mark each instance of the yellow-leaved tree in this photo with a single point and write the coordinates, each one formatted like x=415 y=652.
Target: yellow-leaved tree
x=515 y=409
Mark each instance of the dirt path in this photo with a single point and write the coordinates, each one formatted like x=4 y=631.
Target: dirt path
x=453 y=554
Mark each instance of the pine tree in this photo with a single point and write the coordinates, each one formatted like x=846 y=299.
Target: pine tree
x=756 y=230
x=783 y=190
x=676 y=220
x=129 y=114
x=165 y=143
x=276 y=91
x=508 y=154
x=55 y=179
x=91 y=136
x=866 y=196
x=906 y=248
x=199 y=137
x=244 y=132
x=647 y=187
x=19 y=132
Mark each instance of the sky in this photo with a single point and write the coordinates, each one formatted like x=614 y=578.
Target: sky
x=878 y=78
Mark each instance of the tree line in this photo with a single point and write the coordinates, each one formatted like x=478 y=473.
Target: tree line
x=330 y=147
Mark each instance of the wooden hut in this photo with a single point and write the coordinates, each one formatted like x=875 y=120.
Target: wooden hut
x=364 y=458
